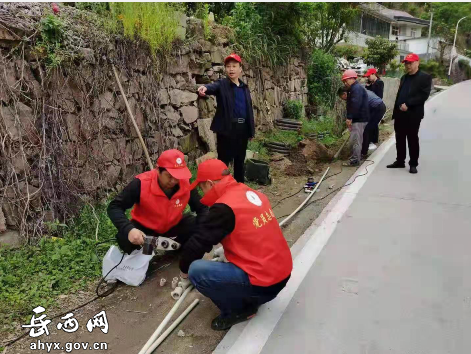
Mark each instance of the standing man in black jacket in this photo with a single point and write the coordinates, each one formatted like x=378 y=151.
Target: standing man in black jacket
x=233 y=122
x=413 y=91
x=358 y=114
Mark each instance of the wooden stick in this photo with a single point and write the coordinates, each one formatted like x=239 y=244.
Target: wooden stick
x=149 y=162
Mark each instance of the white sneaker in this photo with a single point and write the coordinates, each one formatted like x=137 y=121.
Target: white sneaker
x=372 y=147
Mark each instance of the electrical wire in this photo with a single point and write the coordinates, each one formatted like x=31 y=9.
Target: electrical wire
x=292 y=195
x=337 y=189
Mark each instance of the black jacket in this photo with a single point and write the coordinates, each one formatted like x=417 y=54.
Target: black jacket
x=224 y=92
x=377 y=87
x=357 y=104
x=420 y=87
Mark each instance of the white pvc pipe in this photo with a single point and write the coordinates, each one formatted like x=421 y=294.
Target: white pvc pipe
x=308 y=197
x=172 y=327
x=165 y=321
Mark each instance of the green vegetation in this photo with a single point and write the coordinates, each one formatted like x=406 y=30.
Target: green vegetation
x=202 y=12
x=60 y=264
x=271 y=32
x=264 y=32
x=395 y=69
x=257 y=145
x=348 y=51
x=293 y=109
x=323 y=79
x=464 y=65
x=51 y=45
x=380 y=52
x=100 y=8
x=323 y=24
x=155 y=23
x=289 y=138
x=433 y=68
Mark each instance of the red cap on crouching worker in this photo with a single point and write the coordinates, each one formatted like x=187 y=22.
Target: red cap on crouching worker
x=370 y=72
x=411 y=58
x=349 y=74
x=209 y=170
x=174 y=162
x=233 y=56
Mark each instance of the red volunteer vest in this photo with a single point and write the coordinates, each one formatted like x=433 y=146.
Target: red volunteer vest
x=155 y=211
x=256 y=245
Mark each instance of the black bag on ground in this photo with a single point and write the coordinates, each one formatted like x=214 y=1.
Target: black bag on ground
x=257 y=171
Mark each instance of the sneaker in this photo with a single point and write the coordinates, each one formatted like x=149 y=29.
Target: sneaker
x=372 y=147
x=396 y=165
x=413 y=169
x=221 y=323
x=351 y=164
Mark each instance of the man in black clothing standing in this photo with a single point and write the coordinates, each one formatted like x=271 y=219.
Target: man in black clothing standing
x=233 y=122
x=408 y=112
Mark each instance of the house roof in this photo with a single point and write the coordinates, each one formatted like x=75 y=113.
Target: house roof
x=393 y=15
x=398 y=15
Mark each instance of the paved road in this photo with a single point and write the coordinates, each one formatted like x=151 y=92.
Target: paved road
x=395 y=274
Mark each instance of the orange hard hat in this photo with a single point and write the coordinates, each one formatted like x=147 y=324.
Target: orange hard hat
x=349 y=74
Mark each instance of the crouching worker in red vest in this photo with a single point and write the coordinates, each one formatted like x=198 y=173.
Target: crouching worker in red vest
x=259 y=259
x=158 y=199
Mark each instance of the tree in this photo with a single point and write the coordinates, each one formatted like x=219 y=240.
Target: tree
x=380 y=52
x=348 y=51
x=445 y=17
x=323 y=24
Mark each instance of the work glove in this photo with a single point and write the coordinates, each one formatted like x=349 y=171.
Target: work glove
x=219 y=255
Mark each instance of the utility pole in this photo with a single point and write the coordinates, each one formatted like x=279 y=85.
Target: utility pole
x=454 y=43
x=429 y=35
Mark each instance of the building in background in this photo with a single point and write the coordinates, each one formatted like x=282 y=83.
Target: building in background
x=409 y=32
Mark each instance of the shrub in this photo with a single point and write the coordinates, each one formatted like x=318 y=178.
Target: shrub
x=323 y=78
x=464 y=66
x=433 y=68
x=154 y=22
x=52 y=29
x=294 y=109
x=348 y=51
x=380 y=52
x=265 y=32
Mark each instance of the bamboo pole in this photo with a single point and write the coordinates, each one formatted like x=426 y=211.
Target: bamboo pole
x=149 y=162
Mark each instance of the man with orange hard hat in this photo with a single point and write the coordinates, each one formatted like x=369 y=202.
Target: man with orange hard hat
x=158 y=199
x=259 y=261
x=357 y=114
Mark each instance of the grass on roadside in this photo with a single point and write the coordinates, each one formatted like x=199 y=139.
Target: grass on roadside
x=36 y=275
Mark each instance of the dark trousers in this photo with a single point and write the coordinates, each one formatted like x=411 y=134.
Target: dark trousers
x=232 y=148
x=229 y=287
x=179 y=233
x=407 y=128
x=371 y=133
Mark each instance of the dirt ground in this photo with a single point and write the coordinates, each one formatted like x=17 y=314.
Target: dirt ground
x=133 y=314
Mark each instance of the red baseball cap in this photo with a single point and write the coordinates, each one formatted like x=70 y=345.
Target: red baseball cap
x=233 y=56
x=370 y=72
x=411 y=57
x=174 y=162
x=209 y=170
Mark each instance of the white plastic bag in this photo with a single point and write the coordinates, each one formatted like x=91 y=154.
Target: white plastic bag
x=131 y=271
